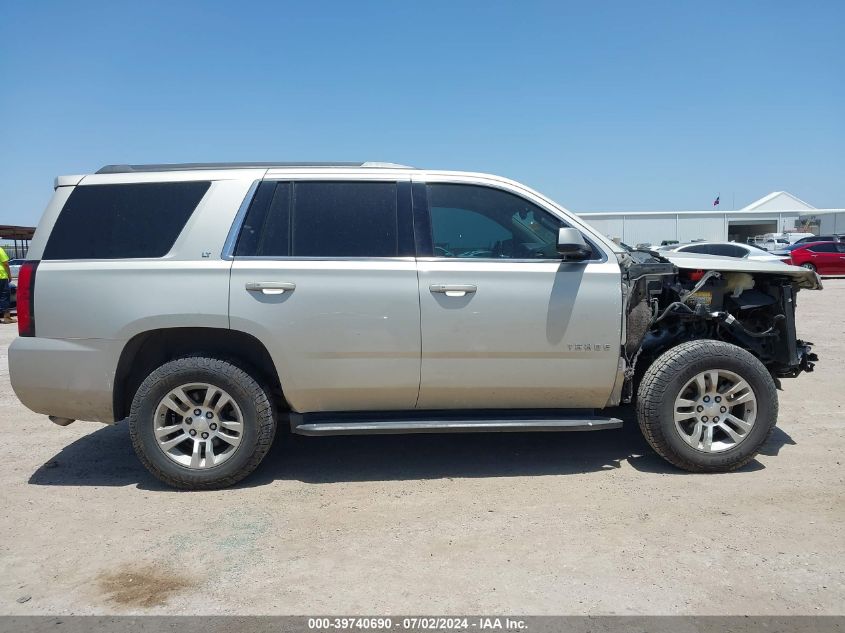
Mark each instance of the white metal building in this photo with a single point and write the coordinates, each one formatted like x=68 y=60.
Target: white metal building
x=777 y=212
x=832 y=223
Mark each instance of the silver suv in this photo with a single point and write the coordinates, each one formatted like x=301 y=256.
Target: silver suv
x=207 y=302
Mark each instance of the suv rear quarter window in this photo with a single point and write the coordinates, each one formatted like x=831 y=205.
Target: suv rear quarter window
x=123 y=221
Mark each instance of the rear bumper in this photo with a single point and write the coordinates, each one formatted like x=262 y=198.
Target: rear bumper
x=65 y=378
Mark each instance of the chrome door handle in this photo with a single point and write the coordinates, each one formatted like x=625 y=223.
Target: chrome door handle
x=271 y=287
x=453 y=290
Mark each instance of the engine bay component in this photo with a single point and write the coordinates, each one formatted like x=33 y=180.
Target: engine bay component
x=755 y=311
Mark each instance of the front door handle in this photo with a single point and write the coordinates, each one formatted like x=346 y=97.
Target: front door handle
x=453 y=290
x=271 y=287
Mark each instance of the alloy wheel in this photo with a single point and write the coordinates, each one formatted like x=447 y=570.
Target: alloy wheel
x=198 y=425
x=715 y=411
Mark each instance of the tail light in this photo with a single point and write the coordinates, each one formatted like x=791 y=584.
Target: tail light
x=26 y=298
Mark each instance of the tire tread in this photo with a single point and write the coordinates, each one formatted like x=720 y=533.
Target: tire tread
x=263 y=404
x=655 y=385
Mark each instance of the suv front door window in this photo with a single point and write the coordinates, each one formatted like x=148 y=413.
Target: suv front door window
x=485 y=223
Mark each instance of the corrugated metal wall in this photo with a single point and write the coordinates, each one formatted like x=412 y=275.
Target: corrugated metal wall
x=832 y=223
x=702 y=227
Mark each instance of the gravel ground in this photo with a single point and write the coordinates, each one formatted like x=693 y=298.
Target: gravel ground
x=579 y=523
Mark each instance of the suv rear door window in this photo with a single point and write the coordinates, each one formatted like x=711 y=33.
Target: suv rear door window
x=266 y=228
x=321 y=219
x=344 y=219
x=123 y=221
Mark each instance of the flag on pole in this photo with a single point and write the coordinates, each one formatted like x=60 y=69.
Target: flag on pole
x=716 y=202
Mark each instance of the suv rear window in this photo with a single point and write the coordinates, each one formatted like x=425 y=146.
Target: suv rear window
x=321 y=219
x=123 y=221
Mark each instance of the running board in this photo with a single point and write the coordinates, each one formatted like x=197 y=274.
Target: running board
x=454 y=425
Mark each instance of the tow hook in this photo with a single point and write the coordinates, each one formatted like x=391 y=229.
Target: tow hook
x=60 y=421
x=808 y=358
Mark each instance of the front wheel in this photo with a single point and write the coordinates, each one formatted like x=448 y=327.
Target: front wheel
x=201 y=423
x=808 y=266
x=707 y=406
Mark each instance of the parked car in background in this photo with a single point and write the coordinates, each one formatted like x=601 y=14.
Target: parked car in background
x=15 y=266
x=768 y=243
x=795 y=237
x=826 y=258
x=818 y=238
x=728 y=249
x=786 y=250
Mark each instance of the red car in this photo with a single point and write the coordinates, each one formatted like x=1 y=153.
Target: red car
x=826 y=258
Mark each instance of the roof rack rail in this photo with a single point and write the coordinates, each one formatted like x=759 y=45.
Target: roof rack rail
x=375 y=163
x=127 y=169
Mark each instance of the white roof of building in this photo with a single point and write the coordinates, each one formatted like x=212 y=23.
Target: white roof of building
x=775 y=202
x=778 y=201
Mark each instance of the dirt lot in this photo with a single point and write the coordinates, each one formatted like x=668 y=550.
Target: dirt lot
x=534 y=524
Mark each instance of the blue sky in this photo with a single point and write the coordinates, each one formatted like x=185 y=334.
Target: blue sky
x=601 y=105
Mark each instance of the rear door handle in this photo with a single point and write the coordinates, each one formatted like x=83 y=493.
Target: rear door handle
x=453 y=290
x=271 y=287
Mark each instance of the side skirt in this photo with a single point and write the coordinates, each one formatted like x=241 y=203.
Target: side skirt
x=365 y=423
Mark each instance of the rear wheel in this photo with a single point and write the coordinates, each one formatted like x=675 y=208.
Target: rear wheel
x=201 y=423
x=808 y=266
x=707 y=406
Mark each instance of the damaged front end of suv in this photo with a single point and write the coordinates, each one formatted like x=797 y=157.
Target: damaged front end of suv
x=684 y=297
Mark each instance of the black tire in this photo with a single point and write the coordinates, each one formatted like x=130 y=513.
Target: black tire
x=259 y=422
x=809 y=266
x=662 y=383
